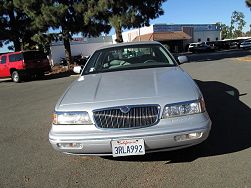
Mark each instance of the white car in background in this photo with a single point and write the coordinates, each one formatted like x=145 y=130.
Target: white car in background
x=246 y=44
x=200 y=47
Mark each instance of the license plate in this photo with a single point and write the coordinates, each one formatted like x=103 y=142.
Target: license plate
x=128 y=147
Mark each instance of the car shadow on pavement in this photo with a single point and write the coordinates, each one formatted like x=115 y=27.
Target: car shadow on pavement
x=45 y=77
x=50 y=77
x=55 y=76
x=231 y=127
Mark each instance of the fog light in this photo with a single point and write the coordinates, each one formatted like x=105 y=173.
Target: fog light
x=70 y=145
x=190 y=136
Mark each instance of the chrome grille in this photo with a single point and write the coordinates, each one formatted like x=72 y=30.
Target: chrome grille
x=133 y=117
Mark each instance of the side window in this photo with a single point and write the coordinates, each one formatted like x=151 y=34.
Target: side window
x=12 y=58
x=19 y=57
x=16 y=57
x=90 y=67
x=3 y=60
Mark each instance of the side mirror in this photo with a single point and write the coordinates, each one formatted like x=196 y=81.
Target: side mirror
x=77 y=69
x=182 y=59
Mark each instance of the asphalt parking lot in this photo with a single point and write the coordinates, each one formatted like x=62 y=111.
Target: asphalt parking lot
x=28 y=160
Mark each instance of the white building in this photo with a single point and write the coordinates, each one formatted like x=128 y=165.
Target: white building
x=201 y=32
x=175 y=36
x=129 y=36
x=79 y=46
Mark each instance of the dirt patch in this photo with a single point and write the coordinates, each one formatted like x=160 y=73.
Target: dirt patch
x=61 y=69
x=244 y=59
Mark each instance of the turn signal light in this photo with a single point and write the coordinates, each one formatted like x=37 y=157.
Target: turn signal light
x=70 y=145
x=190 y=136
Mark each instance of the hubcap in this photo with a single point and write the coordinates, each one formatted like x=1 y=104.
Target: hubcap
x=15 y=77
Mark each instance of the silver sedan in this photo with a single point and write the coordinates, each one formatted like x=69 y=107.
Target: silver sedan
x=130 y=99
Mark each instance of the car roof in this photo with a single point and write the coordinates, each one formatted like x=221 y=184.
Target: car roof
x=18 y=52
x=129 y=44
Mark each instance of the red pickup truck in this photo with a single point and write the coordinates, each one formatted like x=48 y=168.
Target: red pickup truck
x=23 y=64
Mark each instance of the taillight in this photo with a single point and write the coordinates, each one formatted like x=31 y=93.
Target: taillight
x=24 y=65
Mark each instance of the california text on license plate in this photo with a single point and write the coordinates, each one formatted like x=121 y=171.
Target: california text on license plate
x=128 y=147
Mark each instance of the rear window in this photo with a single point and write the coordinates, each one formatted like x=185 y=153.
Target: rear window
x=15 y=57
x=31 y=55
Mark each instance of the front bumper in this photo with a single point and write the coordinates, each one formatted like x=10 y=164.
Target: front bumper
x=160 y=140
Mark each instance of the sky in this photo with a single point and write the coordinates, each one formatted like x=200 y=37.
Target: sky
x=202 y=11
x=198 y=12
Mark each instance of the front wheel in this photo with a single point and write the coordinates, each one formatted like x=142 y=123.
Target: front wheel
x=16 y=77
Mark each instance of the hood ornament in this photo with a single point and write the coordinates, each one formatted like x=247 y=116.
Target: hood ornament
x=124 y=109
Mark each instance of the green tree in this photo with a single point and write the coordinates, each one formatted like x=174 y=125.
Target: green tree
x=235 y=29
x=248 y=34
x=248 y=2
x=44 y=40
x=15 y=26
x=70 y=17
x=237 y=24
x=225 y=30
x=126 y=14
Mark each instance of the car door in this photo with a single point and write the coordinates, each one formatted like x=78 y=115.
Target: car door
x=4 y=71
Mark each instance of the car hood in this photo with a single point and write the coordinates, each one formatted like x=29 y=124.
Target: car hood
x=152 y=86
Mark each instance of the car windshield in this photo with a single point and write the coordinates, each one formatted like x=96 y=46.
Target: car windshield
x=129 y=57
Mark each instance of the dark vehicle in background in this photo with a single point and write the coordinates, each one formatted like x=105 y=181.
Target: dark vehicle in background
x=77 y=60
x=23 y=64
x=211 y=44
x=200 y=47
x=245 y=44
x=228 y=44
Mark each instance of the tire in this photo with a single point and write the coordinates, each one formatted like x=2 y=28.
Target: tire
x=16 y=77
x=40 y=75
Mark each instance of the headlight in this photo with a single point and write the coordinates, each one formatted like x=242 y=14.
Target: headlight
x=184 y=108
x=71 y=118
